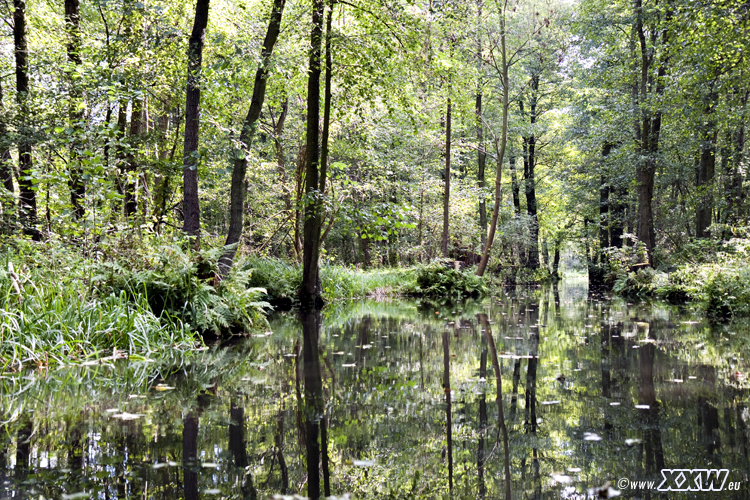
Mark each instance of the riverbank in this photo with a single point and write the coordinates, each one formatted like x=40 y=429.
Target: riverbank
x=713 y=275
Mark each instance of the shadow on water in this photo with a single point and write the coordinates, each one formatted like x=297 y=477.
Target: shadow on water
x=398 y=399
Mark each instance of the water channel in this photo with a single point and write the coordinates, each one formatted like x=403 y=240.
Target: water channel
x=399 y=399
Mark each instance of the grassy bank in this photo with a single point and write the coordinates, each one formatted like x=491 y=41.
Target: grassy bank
x=60 y=304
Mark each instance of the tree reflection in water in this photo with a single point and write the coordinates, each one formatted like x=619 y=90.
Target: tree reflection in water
x=257 y=419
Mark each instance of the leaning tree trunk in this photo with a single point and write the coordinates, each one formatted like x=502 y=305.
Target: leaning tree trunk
x=499 y=150
x=75 y=182
x=239 y=187
x=191 y=224
x=27 y=198
x=313 y=206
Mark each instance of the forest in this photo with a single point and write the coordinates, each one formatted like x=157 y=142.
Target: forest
x=196 y=165
x=372 y=248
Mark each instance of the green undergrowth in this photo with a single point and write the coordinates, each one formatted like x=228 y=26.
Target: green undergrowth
x=184 y=285
x=717 y=278
x=282 y=280
x=440 y=280
x=51 y=314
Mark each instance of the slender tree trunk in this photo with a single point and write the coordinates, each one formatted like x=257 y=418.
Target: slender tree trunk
x=447 y=174
x=299 y=188
x=161 y=181
x=481 y=152
x=514 y=185
x=239 y=186
x=313 y=206
x=191 y=224
x=529 y=164
x=499 y=150
x=6 y=169
x=131 y=167
x=27 y=198
x=481 y=164
x=76 y=184
x=648 y=130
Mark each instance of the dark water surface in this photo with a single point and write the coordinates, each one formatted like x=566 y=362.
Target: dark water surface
x=398 y=399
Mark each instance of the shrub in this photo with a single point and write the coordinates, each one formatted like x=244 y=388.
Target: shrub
x=183 y=285
x=438 y=279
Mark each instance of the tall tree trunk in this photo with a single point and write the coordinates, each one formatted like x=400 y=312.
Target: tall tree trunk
x=27 y=198
x=447 y=174
x=239 y=186
x=191 y=224
x=481 y=152
x=514 y=185
x=704 y=178
x=529 y=164
x=131 y=167
x=648 y=128
x=76 y=184
x=481 y=164
x=499 y=149
x=313 y=206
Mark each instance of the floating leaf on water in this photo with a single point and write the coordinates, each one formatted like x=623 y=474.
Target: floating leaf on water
x=363 y=463
x=128 y=416
x=550 y=402
x=562 y=478
x=643 y=407
x=76 y=496
x=604 y=491
x=631 y=442
x=591 y=436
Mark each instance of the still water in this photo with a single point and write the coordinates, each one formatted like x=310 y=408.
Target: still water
x=399 y=399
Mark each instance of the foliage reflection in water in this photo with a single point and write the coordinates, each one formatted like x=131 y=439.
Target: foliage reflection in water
x=397 y=399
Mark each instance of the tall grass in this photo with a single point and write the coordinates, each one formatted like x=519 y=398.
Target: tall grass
x=52 y=323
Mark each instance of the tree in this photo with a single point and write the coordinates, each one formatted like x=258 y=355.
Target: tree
x=27 y=198
x=314 y=171
x=73 y=28
x=239 y=187
x=191 y=224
